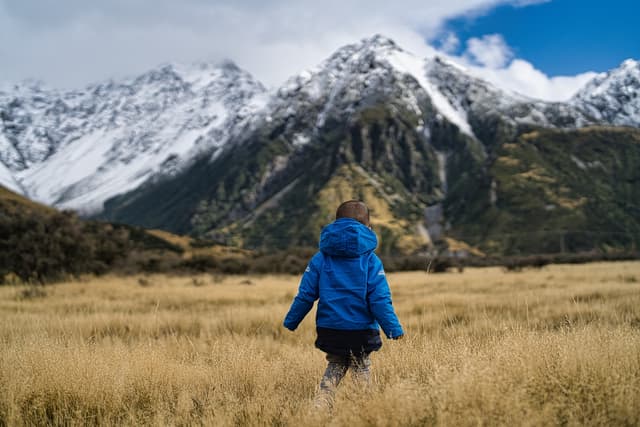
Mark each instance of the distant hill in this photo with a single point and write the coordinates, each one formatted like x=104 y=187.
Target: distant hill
x=10 y=201
x=39 y=244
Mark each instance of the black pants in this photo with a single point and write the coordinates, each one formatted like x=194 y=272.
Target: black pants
x=338 y=367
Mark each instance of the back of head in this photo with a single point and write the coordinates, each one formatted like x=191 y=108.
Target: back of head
x=354 y=209
x=349 y=235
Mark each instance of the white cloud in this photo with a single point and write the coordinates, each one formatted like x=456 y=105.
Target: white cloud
x=521 y=76
x=449 y=43
x=524 y=3
x=490 y=58
x=70 y=43
x=73 y=42
x=489 y=50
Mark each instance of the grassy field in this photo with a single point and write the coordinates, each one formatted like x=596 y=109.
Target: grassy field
x=555 y=346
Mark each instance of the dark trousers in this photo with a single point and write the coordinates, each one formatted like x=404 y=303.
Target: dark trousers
x=338 y=366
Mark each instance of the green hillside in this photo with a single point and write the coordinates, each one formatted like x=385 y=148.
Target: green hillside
x=39 y=244
x=556 y=191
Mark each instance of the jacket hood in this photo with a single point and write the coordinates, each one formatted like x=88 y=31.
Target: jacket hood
x=346 y=237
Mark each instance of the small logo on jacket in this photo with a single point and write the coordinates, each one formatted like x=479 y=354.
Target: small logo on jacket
x=381 y=273
x=306 y=270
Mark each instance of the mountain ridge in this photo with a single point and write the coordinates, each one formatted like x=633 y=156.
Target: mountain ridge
x=418 y=137
x=50 y=129
x=153 y=118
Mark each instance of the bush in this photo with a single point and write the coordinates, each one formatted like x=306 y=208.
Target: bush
x=233 y=266
x=40 y=247
x=199 y=263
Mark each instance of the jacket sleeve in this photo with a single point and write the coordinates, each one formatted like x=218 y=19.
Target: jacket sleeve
x=307 y=294
x=379 y=298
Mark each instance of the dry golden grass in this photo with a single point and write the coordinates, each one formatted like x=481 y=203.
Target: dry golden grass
x=560 y=345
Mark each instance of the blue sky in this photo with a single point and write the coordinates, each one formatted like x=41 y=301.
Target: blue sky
x=560 y=37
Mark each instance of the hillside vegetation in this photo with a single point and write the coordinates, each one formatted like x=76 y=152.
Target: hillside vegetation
x=39 y=244
x=526 y=191
x=554 y=346
x=558 y=191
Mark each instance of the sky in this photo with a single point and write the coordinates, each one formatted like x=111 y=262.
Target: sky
x=544 y=49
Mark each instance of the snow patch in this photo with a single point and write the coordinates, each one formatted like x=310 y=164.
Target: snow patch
x=271 y=203
x=587 y=165
x=7 y=180
x=300 y=140
x=409 y=64
x=578 y=162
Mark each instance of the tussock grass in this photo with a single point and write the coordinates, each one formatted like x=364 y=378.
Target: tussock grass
x=559 y=345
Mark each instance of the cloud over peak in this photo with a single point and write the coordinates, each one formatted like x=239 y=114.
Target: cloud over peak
x=489 y=50
x=491 y=58
x=70 y=43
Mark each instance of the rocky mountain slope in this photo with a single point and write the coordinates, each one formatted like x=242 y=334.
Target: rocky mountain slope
x=209 y=151
x=613 y=97
x=77 y=149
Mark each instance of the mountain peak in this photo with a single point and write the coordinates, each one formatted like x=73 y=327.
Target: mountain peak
x=630 y=64
x=374 y=45
x=613 y=96
x=229 y=65
x=379 y=41
x=25 y=87
x=354 y=63
x=225 y=65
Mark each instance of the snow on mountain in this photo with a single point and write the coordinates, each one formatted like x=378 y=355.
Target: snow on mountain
x=613 y=97
x=26 y=112
x=77 y=149
x=480 y=99
x=353 y=75
x=360 y=73
x=7 y=180
x=369 y=69
x=8 y=153
x=417 y=68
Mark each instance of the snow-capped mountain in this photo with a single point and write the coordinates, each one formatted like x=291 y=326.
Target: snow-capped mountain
x=365 y=72
x=479 y=99
x=613 y=97
x=76 y=149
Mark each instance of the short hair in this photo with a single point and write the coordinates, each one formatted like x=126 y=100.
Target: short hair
x=355 y=209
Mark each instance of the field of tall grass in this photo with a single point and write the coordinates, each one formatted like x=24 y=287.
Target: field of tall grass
x=558 y=345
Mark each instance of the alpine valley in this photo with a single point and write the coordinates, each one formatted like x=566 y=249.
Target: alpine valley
x=442 y=158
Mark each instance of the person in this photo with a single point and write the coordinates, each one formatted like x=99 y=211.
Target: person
x=348 y=279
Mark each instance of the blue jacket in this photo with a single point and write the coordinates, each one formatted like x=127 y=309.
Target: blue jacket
x=349 y=281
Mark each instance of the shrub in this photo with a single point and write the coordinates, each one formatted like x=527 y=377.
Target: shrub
x=199 y=263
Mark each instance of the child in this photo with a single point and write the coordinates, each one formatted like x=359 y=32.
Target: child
x=354 y=297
